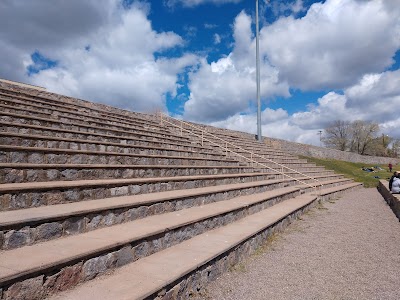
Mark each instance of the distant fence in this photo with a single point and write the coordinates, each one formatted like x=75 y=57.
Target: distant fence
x=320 y=152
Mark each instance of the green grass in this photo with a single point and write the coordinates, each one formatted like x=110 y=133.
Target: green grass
x=353 y=170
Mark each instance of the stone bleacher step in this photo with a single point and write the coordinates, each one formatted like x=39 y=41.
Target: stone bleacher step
x=19 y=173
x=88 y=120
x=326 y=182
x=43 y=150
x=75 y=105
x=56 y=192
x=101 y=137
x=35 y=215
x=328 y=186
x=77 y=115
x=43 y=139
x=43 y=162
x=150 y=275
x=331 y=192
x=61 y=185
x=55 y=254
x=71 y=126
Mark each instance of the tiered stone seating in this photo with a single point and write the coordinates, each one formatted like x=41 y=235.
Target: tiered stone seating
x=86 y=189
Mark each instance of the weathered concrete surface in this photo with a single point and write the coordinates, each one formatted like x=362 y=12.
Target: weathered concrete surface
x=347 y=249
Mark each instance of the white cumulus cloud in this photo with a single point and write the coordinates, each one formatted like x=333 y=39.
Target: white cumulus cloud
x=225 y=87
x=334 y=44
x=109 y=58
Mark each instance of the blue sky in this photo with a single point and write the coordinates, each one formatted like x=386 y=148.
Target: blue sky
x=195 y=59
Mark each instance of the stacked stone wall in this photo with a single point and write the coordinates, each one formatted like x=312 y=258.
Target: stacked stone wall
x=321 y=152
x=66 y=99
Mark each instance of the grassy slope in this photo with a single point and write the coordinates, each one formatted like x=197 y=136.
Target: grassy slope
x=354 y=170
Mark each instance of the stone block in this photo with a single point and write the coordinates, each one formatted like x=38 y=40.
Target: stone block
x=119 y=191
x=63 y=145
x=91 y=159
x=57 y=158
x=69 y=174
x=74 y=225
x=78 y=159
x=98 y=159
x=14 y=176
x=3 y=157
x=132 y=214
x=124 y=256
x=51 y=198
x=19 y=201
x=87 y=193
x=53 y=144
x=109 y=219
x=18 y=157
x=127 y=173
x=91 y=147
x=32 y=175
x=95 y=266
x=94 y=222
x=35 y=199
x=157 y=245
x=52 y=174
x=48 y=231
x=29 y=289
x=189 y=185
x=5 y=201
x=134 y=189
x=72 y=195
x=101 y=193
x=36 y=158
x=141 y=250
x=120 y=217
x=2 y=239
x=165 y=186
x=89 y=174
x=63 y=280
x=17 y=238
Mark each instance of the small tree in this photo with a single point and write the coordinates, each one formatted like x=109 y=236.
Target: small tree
x=337 y=135
x=395 y=150
x=363 y=135
x=379 y=146
x=359 y=136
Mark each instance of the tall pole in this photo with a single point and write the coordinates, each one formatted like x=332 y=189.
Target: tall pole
x=259 y=135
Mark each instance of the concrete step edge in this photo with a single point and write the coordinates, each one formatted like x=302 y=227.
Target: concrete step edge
x=33 y=259
x=147 y=276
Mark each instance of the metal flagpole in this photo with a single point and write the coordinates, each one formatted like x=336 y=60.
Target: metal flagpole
x=259 y=135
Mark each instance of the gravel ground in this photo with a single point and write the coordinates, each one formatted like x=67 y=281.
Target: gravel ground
x=348 y=248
